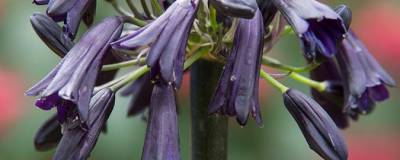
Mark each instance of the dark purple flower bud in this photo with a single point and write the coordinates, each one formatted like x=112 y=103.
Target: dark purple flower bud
x=268 y=10
x=346 y=14
x=236 y=8
x=167 y=37
x=363 y=77
x=140 y=92
x=51 y=34
x=318 y=26
x=332 y=99
x=41 y=2
x=73 y=79
x=317 y=127
x=78 y=141
x=48 y=135
x=162 y=135
x=71 y=12
x=237 y=90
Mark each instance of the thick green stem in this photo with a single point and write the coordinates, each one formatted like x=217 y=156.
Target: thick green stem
x=209 y=133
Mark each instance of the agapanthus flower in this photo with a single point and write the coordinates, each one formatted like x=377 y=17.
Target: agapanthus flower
x=317 y=127
x=236 y=8
x=71 y=82
x=48 y=135
x=167 y=38
x=140 y=92
x=332 y=99
x=71 y=12
x=318 y=26
x=77 y=142
x=162 y=135
x=364 y=78
x=237 y=90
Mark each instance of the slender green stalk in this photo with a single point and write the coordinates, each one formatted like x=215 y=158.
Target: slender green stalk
x=116 y=66
x=134 y=9
x=278 y=85
x=157 y=9
x=146 y=8
x=319 y=86
x=126 y=14
x=130 y=77
x=274 y=63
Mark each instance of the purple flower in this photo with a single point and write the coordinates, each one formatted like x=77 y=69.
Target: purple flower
x=140 y=91
x=71 y=12
x=78 y=141
x=318 y=26
x=332 y=99
x=236 y=8
x=48 y=135
x=73 y=79
x=317 y=127
x=167 y=38
x=363 y=77
x=237 y=90
x=162 y=135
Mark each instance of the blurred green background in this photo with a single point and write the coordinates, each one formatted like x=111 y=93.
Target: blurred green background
x=24 y=60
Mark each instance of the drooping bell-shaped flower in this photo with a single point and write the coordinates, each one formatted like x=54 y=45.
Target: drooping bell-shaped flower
x=317 y=127
x=48 y=135
x=236 y=8
x=71 y=12
x=363 y=77
x=72 y=81
x=237 y=90
x=162 y=135
x=167 y=37
x=318 y=26
x=140 y=92
x=78 y=141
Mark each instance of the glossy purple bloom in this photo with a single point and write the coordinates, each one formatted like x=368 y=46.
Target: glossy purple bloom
x=363 y=77
x=162 y=135
x=140 y=92
x=317 y=127
x=318 y=26
x=71 y=12
x=167 y=38
x=78 y=141
x=332 y=99
x=237 y=90
x=236 y=8
x=73 y=79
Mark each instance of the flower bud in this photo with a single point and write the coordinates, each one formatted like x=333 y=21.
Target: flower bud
x=236 y=8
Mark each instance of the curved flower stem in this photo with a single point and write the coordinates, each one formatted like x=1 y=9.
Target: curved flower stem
x=116 y=66
x=319 y=86
x=274 y=63
x=130 y=77
x=134 y=9
x=278 y=85
x=146 y=8
x=209 y=133
x=126 y=14
x=157 y=9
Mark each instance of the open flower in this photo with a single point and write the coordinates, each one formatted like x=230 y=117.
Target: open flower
x=318 y=26
x=364 y=78
x=72 y=81
x=318 y=128
x=167 y=38
x=71 y=12
x=77 y=142
x=237 y=90
x=162 y=135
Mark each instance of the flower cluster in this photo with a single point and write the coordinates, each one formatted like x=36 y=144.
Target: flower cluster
x=164 y=40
